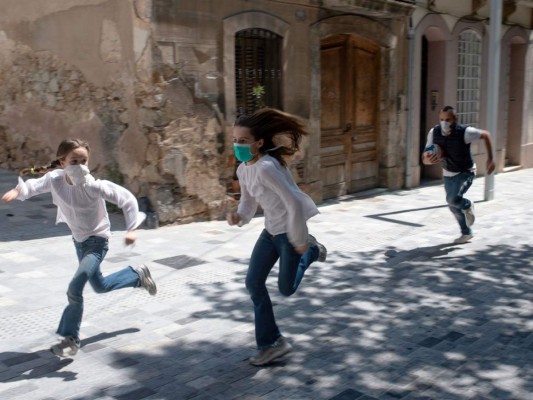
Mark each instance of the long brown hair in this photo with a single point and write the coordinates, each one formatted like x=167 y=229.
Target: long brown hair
x=269 y=123
x=65 y=147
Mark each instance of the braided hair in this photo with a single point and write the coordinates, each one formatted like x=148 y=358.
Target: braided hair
x=65 y=147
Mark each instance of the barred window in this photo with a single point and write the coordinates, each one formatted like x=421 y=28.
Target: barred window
x=468 y=77
x=257 y=70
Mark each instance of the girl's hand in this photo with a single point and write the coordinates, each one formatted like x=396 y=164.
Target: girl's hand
x=233 y=218
x=301 y=249
x=130 y=238
x=11 y=195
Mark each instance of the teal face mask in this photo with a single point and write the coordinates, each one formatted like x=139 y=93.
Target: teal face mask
x=243 y=152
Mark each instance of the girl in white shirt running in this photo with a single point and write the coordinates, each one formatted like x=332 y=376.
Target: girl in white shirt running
x=80 y=201
x=265 y=180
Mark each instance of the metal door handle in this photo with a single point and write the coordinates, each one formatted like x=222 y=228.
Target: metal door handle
x=348 y=127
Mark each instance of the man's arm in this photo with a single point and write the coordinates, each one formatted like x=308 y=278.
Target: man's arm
x=485 y=135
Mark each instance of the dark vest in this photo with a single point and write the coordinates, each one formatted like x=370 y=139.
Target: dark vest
x=457 y=155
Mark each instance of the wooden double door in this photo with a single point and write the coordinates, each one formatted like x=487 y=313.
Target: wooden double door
x=350 y=68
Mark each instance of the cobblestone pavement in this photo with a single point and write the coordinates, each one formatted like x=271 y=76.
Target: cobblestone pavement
x=396 y=312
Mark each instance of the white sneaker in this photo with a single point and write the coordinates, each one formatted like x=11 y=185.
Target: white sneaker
x=70 y=343
x=463 y=239
x=469 y=215
x=322 y=251
x=265 y=356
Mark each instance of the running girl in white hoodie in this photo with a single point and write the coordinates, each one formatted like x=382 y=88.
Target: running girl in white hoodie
x=265 y=180
x=80 y=201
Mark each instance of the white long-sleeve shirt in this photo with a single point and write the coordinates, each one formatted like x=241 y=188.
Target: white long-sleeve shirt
x=286 y=207
x=82 y=207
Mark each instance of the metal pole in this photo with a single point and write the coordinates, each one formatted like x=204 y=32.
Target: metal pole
x=493 y=87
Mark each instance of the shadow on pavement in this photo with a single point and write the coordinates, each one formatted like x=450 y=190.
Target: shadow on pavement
x=106 y=335
x=420 y=253
x=432 y=327
x=384 y=216
x=44 y=364
x=49 y=366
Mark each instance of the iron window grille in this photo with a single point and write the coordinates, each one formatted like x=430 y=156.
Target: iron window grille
x=468 y=77
x=257 y=70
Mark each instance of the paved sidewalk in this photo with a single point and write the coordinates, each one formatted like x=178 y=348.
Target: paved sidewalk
x=396 y=312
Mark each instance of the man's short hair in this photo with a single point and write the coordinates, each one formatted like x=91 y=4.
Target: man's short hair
x=449 y=108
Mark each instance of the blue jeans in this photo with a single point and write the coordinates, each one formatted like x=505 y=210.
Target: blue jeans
x=91 y=253
x=456 y=186
x=268 y=249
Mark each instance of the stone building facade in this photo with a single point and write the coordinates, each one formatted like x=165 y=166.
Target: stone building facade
x=155 y=85
x=450 y=65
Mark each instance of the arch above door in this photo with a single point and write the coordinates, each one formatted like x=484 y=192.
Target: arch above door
x=232 y=25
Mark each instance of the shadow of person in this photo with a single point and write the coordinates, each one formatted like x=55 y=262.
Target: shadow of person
x=34 y=365
x=106 y=335
x=395 y=257
x=44 y=364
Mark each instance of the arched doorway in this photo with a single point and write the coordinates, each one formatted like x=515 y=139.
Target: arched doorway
x=349 y=118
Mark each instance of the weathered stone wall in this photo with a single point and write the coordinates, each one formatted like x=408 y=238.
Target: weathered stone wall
x=184 y=167
x=198 y=38
x=44 y=100
x=64 y=74
x=146 y=83
x=84 y=68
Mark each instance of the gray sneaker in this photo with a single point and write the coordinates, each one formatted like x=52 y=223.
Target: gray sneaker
x=145 y=279
x=265 y=356
x=322 y=251
x=70 y=343
x=469 y=215
x=463 y=239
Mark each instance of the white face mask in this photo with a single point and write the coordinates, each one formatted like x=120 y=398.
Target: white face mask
x=445 y=126
x=77 y=173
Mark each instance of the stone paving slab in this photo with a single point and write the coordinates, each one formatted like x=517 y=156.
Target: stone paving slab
x=396 y=312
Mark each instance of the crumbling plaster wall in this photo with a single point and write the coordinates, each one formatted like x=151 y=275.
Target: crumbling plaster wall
x=61 y=77
x=84 y=68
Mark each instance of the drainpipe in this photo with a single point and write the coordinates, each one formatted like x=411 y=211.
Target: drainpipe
x=493 y=88
x=410 y=102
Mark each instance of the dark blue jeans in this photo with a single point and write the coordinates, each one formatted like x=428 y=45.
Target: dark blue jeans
x=91 y=253
x=456 y=186
x=268 y=249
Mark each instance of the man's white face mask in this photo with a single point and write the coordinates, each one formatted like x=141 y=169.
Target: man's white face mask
x=77 y=173
x=445 y=126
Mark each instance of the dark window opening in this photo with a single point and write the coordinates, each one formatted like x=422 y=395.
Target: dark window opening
x=257 y=70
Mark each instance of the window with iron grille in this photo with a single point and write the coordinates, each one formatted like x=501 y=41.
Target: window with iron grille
x=257 y=70
x=468 y=77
